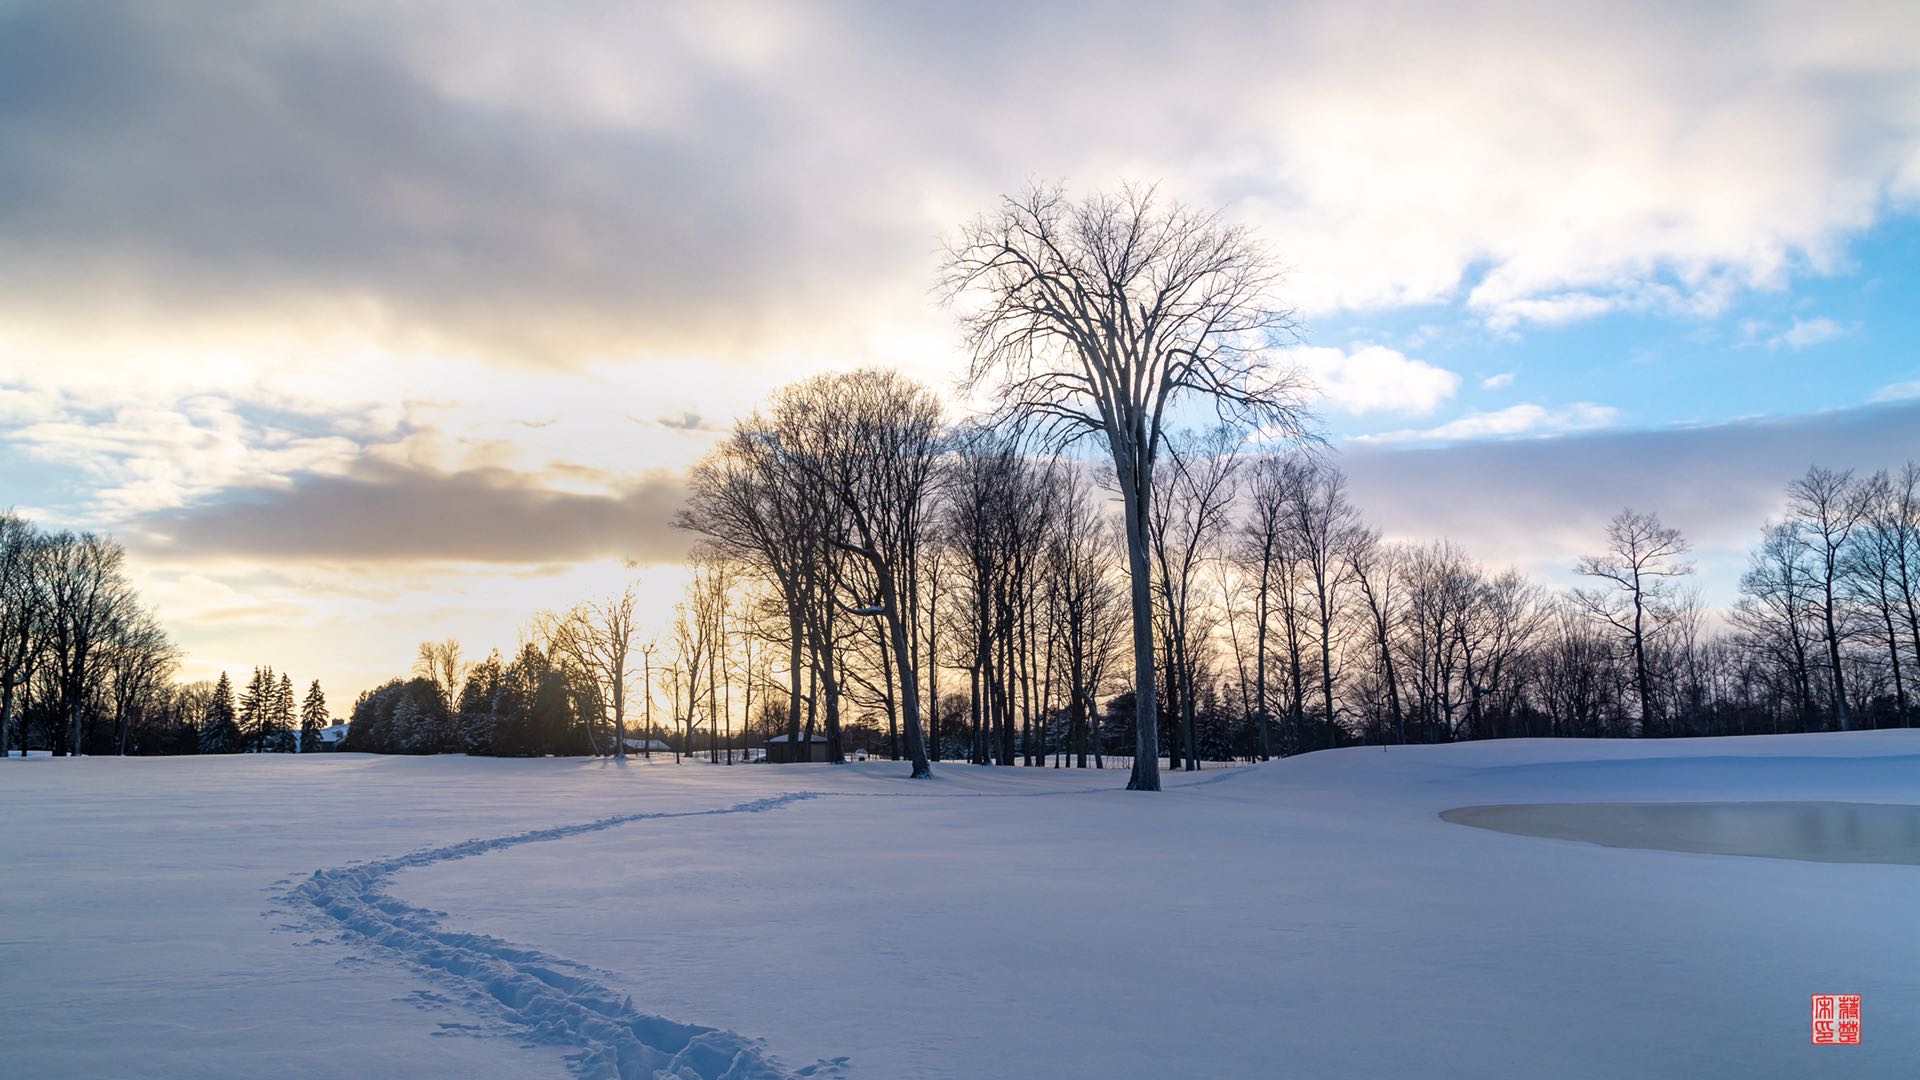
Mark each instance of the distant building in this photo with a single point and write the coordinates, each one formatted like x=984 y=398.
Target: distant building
x=330 y=736
x=782 y=751
x=648 y=746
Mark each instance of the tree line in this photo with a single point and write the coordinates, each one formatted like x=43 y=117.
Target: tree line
x=85 y=668
x=1280 y=621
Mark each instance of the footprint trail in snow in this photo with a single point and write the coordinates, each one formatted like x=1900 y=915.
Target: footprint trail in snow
x=548 y=998
x=556 y=1000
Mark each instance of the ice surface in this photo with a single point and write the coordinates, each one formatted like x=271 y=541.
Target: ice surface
x=351 y=916
x=1815 y=831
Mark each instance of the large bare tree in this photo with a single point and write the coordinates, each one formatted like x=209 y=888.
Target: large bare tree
x=1096 y=318
x=871 y=440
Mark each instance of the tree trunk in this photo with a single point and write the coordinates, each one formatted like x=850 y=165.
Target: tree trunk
x=794 y=648
x=1260 y=665
x=1326 y=665
x=1146 y=705
x=909 y=684
x=933 y=666
x=1833 y=656
x=977 y=752
x=1893 y=655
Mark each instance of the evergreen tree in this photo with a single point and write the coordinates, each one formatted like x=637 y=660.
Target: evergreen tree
x=313 y=717
x=255 y=703
x=283 y=717
x=219 y=730
x=412 y=729
x=370 y=729
x=480 y=700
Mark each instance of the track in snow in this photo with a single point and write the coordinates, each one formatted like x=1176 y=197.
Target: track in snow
x=556 y=1000
x=550 y=999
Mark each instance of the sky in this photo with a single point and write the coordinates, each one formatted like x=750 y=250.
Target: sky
x=365 y=324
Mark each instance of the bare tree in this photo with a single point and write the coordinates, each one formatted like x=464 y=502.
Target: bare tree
x=1323 y=523
x=23 y=613
x=1642 y=559
x=1261 y=547
x=1875 y=573
x=750 y=503
x=598 y=639
x=1092 y=607
x=1776 y=611
x=1827 y=506
x=140 y=660
x=1376 y=567
x=1902 y=514
x=87 y=597
x=1185 y=518
x=871 y=440
x=1096 y=318
x=439 y=663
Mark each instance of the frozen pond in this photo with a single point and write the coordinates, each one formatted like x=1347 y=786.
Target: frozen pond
x=1814 y=831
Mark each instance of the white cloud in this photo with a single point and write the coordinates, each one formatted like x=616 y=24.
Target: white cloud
x=1510 y=422
x=1497 y=382
x=1807 y=332
x=1373 y=378
x=1900 y=391
x=718 y=181
x=143 y=457
x=1508 y=313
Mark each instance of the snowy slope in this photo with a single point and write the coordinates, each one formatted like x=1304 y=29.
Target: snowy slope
x=1313 y=917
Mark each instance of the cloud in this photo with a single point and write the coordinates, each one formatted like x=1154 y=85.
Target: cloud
x=1900 y=391
x=1510 y=422
x=1373 y=378
x=1806 y=332
x=1505 y=313
x=1497 y=382
x=1539 y=503
x=386 y=513
x=138 y=457
x=617 y=180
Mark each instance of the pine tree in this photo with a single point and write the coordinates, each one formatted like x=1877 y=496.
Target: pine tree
x=253 y=711
x=411 y=730
x=282 y=713
x=219 y=731
x=313 y=717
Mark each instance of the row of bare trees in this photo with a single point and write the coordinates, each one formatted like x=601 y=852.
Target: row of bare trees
x=1282 y=623
x=84 y=668
x=1831 y=598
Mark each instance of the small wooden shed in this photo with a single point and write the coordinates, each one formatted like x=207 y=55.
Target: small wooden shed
x=782 y=751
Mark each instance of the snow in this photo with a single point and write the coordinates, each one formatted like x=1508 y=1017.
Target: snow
x=341 y=915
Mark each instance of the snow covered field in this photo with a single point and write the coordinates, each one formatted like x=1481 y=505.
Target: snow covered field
x=351 y=916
